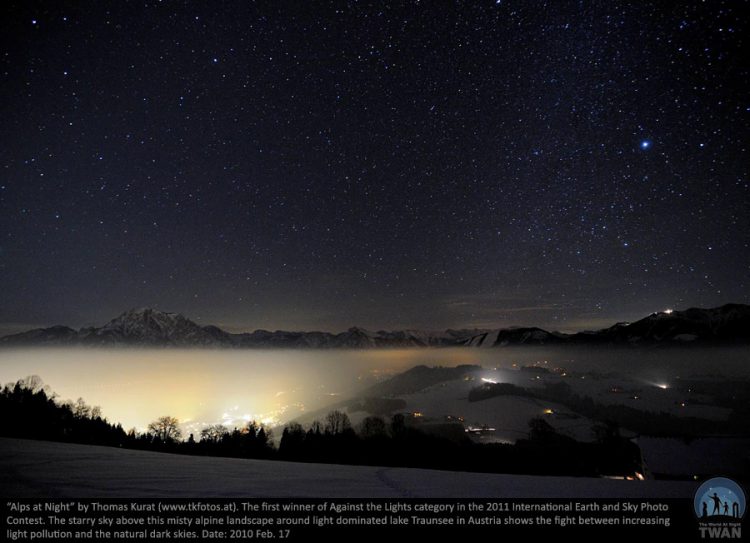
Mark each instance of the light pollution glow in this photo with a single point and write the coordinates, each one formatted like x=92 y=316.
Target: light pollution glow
x=231 y=387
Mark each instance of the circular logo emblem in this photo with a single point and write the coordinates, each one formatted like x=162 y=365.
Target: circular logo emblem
x=719 y=499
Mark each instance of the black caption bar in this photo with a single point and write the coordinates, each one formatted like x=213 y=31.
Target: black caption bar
x=297 y=519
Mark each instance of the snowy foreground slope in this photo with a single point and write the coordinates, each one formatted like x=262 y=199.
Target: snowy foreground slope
x=45 y=469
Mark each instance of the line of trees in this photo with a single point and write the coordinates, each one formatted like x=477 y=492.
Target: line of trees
x=399 y=443
x=30 y=410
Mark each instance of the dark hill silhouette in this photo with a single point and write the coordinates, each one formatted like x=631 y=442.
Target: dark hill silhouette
x=728 y=324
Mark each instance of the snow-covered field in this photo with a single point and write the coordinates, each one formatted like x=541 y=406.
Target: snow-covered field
x=45 y=469
x=661 y=394
x=507 y=417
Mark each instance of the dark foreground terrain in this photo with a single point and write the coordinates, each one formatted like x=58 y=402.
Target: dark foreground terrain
x=45 y=469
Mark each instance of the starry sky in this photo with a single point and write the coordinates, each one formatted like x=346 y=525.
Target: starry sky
x=315 y=165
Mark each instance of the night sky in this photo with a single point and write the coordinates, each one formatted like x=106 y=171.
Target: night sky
x=302 y=165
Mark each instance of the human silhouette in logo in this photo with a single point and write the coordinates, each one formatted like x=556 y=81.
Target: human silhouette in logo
x=705 y=510
x=726 y=507
x=717 y=504
x=736 y=509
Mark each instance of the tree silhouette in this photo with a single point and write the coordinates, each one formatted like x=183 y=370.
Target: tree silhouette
x=214 y=433
x=80 y=409
x=540 y=430
x=373 y=427
x=337 y=422
x=32 y=383
x=606 y=432
x=166 y=429
x=398 y=425
x=28 y=410
x=292 y=440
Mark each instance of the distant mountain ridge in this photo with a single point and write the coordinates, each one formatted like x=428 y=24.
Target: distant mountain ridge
x=729 y=323
x=149 y=327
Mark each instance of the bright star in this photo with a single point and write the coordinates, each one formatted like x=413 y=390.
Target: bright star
x=645 y=144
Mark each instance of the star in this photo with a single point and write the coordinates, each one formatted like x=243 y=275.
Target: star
x=319 y=172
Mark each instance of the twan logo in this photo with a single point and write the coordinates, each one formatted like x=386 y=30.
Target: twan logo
x=720 y=505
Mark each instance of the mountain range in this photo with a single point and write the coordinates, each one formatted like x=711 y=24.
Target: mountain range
x=149 y=327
